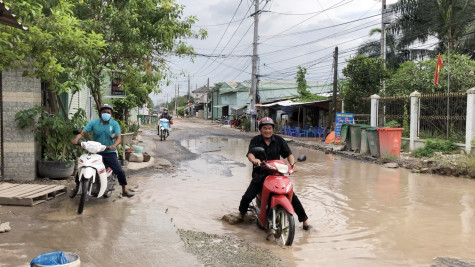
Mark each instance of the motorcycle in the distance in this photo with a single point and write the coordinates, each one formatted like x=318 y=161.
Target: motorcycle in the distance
x=273 y=208
x=92 y=176
x=164 y=129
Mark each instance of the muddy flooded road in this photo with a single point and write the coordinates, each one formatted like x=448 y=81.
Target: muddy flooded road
x=363 y=214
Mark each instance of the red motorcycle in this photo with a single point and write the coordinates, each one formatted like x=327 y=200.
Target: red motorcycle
x=273 y=209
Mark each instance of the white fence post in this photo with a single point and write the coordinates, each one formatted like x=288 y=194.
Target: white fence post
x=413 y=131
x=470 y=124
x=374 y=110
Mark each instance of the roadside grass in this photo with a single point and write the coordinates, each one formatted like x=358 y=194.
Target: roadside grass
x=436 y=145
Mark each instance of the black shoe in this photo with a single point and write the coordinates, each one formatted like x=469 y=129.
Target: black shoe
x=307 y=227
x=74 y=192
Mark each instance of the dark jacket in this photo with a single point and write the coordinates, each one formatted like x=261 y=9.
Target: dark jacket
x=165 y=116
x=275 y=150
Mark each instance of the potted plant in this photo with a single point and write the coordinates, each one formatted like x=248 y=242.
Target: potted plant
x=134 y=128
x=54 y=133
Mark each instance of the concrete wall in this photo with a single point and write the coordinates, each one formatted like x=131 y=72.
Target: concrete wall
x=20 y=150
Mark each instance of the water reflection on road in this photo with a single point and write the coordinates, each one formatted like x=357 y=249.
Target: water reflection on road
x=363 y=214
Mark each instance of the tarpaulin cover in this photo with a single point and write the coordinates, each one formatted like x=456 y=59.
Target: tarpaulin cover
x=51 y=258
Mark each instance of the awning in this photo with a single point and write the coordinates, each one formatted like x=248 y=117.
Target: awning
x=288 y=103
x=220 y=106
x=238 y=108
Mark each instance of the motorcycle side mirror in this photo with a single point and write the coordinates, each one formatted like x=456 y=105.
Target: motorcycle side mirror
x=302 y=158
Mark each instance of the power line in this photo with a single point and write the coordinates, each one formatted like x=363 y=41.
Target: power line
x=232 y=36
x=240 y=2
x=334 y=6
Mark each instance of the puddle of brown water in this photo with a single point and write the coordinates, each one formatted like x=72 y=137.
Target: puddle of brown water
x=363 y=214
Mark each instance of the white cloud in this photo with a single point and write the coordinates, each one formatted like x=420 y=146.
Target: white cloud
x=292 y=52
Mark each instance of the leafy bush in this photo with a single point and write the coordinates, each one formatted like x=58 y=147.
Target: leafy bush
x=181 y=110
x=53 y=131
x=246 y=124
x=392 y=124
x=134 y=128
x=435 y=145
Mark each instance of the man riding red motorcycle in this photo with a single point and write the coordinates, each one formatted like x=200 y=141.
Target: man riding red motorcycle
x=275 y=147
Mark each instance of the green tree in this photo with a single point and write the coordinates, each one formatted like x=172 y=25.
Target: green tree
x=448 y=20
x=56 y=45
x=140 y=34
x=419 y=76
x=395 y=55
x=302 y=87
x=364 y=78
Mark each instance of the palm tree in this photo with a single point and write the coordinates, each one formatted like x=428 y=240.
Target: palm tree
x=450 y=21
x=394 y=55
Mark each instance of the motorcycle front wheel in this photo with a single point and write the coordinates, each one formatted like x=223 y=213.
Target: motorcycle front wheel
x=285 y=225
x=162 y=135
x=84 y=188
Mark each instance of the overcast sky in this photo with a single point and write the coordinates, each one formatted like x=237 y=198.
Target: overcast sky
x=291 y=33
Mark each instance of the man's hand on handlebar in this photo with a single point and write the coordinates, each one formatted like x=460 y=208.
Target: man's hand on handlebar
x=256 y=162
x=112 y=147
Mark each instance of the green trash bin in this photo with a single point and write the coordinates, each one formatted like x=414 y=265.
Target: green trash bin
x=344 y=135
x=364 y=142
x=355 y=136
x=373 y=141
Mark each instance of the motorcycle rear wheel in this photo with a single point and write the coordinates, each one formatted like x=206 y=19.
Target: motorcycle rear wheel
x=285 y=226
x=82 y=200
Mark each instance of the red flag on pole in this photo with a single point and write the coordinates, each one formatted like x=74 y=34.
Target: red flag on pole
x=437 y=69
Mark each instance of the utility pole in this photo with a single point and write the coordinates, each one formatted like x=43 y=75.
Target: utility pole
x=335 y=83
x=206 y=102
x=188 y=87
x=384 y=21
x=254 y=66
x=175 y=99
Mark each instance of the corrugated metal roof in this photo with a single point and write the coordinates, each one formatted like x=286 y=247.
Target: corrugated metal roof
x=7 y=18
x=288 y=103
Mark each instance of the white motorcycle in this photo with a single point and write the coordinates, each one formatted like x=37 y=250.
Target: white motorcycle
x=93 y=178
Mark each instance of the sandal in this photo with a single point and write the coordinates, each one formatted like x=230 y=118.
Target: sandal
x=127 y=194
x=307 y=227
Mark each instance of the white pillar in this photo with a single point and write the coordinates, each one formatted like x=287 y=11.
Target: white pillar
x=470 y=124
x=374 y=110
x=413 y=134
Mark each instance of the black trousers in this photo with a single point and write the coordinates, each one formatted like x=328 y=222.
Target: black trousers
x=111 y=161
x=256 y=187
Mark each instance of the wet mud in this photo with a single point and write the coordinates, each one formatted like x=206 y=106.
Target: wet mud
x=362 y=214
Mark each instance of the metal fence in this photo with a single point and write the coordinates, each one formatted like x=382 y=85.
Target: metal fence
x=365 y=116
x=443 y=116
x=395 y=109
x=440 y=115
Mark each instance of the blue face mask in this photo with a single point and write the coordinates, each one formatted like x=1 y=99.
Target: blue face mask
x=106 y=116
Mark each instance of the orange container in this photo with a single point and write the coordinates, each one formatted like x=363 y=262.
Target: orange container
x=390 y=141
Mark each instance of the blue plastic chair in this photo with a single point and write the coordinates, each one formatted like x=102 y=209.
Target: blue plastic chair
x=301 y=132
x=321 y=131
x=293 y=131
x=312 y=132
